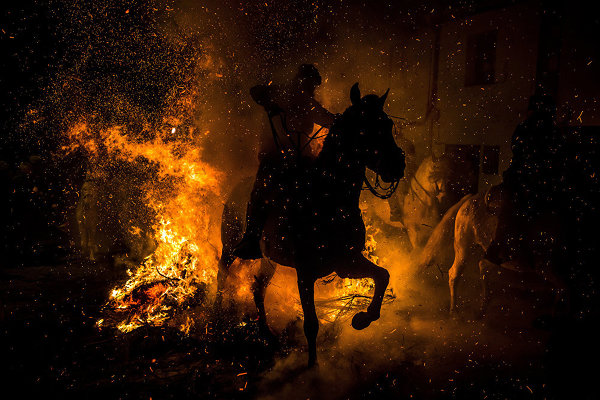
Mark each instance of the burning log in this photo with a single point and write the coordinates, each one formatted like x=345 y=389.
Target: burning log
x=340 y=308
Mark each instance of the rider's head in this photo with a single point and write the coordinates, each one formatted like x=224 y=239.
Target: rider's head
x=308 y=78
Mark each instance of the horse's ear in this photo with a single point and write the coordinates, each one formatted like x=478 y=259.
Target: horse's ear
x=382 y=98
x=355 y=94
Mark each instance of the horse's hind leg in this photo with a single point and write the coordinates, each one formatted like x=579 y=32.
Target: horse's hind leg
x=358 y=267
x=306 y=288
x=463 y=243
x=484 y=266
x=455 y=273
x=259 y=288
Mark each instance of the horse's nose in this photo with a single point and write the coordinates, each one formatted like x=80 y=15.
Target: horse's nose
x=441 y=196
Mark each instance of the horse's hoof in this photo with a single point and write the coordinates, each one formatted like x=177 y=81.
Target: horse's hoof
x=362 y=320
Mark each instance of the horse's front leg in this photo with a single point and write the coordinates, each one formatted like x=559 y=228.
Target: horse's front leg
x=227 y=258
x=259 y=288
x=358 y=267
x=306 y=287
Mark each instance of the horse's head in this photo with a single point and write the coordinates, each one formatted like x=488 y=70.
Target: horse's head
x=434 y=175
x=375 y=140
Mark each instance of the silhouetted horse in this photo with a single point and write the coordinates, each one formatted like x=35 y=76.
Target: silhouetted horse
x=318 y=229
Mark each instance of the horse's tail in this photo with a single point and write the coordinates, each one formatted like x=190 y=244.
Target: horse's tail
x=442 y=237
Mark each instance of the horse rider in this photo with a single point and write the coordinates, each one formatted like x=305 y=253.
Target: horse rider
x=530 y=182
x=292 y=111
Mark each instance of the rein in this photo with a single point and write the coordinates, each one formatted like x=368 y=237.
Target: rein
x=387 y=191
x=289 y=133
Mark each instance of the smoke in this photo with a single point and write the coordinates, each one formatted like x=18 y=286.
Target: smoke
x=179 y=73
x=409 y=335
x=134 y=63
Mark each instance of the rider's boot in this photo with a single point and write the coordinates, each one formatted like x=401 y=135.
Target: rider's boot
x=249 y=247
x=508 y=243
x=506 y=235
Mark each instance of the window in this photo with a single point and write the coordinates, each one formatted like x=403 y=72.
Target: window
x=481 y=58
x=490 y=160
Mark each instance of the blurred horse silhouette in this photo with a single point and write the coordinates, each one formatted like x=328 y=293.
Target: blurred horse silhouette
x=422 y=204
x=423 y=198
x=470 y=226
x=317 y=227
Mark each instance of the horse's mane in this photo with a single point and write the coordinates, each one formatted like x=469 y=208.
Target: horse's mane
x=340 y=125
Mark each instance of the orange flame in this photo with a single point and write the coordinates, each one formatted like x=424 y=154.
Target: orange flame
x=184 y=260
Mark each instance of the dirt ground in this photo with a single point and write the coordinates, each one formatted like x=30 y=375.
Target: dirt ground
x=52 y=348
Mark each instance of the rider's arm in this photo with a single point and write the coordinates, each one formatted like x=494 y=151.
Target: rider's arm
x=263 y=95
x=320 y=115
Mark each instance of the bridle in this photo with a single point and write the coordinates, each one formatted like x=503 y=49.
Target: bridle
x=373 y=188
x=289 y=133
x=387 y=191
x=432 y=195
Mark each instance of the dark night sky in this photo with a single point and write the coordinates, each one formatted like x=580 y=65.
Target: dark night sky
x=64 y=59
x=44 y=41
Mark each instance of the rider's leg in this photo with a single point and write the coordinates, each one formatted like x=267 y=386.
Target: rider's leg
x=231 y=228
x=257 y=212
x=496 y=252
x=225 y=262
x=484 y=268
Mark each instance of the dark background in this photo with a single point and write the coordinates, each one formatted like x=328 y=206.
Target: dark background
x=59 y=60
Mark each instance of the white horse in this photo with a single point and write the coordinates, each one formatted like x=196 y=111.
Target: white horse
x=422 y=204
x=470 y=227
